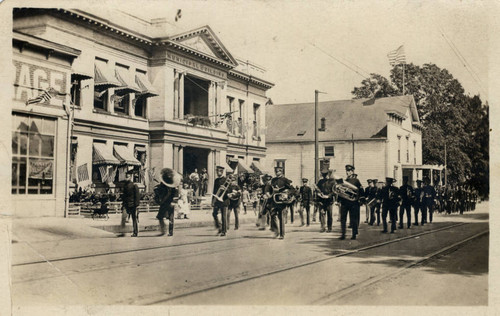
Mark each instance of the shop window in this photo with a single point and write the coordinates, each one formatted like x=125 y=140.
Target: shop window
x=33 y=141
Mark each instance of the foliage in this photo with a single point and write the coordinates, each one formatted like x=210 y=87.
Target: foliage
x=448 y=116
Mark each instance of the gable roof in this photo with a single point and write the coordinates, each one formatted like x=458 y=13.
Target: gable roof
x=357 y=118
x=204 y=40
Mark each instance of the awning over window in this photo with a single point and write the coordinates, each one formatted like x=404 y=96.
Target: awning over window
x=258 y=168
x=103 y=155
x=243 y=167
x=81 y=70
x=104 y=77
x=128 y=85
x=228 y=168
x=126 y=158
x=147 y=89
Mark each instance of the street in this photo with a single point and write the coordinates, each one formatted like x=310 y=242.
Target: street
x=251 y=267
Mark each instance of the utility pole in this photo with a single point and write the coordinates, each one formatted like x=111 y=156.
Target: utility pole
x=316 y=161
x=445 y=165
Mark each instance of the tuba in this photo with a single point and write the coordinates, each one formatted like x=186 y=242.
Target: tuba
x=346 y=191
x=282 y=196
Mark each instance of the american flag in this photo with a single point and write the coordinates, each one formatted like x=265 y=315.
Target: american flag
x=397 y=56
x=43 y=97
x=104 y=173
x=83 y=174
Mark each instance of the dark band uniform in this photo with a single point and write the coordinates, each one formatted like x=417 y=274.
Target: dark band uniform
x=278 y=184
x=429 y=194
x=220 y=206
x=390 y=202
x=407 y=194
x=234 y=196
x=351 y=207
x=417 y=205
x=325 y=203
x=305 y=196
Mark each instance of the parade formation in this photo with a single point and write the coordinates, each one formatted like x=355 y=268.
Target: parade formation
x=274 y=200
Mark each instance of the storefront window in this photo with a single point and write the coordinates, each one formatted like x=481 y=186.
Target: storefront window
x=33 y=140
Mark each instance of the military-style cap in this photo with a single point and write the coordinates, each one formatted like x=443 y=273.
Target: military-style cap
x=267 y=176
x=374 y=180
x=278 y=168
x=390 y=180
x=220 y=167
x=349 y=167
x=304 y=180
x=369 y=180
x=419 y=181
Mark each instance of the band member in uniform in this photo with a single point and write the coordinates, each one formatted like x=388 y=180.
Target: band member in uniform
x=165 y=194
x=265 y=205
x=325 y=201
x=428 y=200
x=130 y=197
x=279 y=184
x=220 y=205
x=378 y=198
x=407 y=193
x=390 y=202
x=351 y=207
x=234 y=195
x=371 y=200
x=417 y=206
x=305 y=198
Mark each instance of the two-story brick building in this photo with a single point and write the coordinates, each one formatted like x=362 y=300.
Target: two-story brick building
x=381 y=138
x=138 y=98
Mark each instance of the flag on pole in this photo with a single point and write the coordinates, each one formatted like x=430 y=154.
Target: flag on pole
x=43 y=97
x=83 y=173
x=397 y=57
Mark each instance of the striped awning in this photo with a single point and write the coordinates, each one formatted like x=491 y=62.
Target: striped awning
x=147 y=89
x=258 y=168
x=128 y=85
x=102 y=155
x=81 y=70
x=104 y=78
x=124 y=156
x=243 y=167
x=228 y=168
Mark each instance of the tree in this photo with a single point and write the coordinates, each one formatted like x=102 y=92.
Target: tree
x=447 y=115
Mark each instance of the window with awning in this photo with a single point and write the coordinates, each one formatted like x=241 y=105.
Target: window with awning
x=102 y=155
x=128 y=85
x=243 y=167
x=125 y=156
x=81 y=69
x=257 y=167
x=147 y=89
x=104 y=78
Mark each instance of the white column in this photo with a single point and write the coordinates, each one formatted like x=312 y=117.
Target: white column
x=181 y=96
x=210 y=170
x=176 y=95
x=211 y=101
x=181 y=160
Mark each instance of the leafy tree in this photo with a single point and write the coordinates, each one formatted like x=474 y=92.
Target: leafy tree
x=448 y=115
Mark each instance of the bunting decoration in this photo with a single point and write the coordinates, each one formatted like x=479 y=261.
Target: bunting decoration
x=83 y=173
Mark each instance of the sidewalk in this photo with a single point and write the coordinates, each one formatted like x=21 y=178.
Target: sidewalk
x=54 y=228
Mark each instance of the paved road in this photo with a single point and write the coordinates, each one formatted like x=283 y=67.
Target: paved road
x=246 y=267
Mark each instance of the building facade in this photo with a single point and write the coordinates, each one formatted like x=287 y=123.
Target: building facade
x=381 y=138
x=137 y=98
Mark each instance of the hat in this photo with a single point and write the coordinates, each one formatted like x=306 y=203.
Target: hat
x=220 y=167
x=390 y=180
x=278 y=168
x=267 y=176
x=419 y=181
x=304 y=180
x=374 y=180
x=349 y=167
x=369 y=180
x=170 y=177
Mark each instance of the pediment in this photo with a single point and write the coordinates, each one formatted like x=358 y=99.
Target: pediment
x=205 y=41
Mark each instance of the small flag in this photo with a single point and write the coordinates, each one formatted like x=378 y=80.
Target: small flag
x=117 y=98
x=397 y=56
x=111 y=173
x=83 y=174
x=43 y=97
x=178 y=15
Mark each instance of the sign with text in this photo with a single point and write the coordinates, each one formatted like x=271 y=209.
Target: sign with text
x=196 y=65
x=32 y=80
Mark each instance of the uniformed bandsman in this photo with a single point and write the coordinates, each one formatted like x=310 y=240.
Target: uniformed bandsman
x=350 y=207
x=325 y=201
x=378 y=199
x=305 y=197
x=234 y=196
x=220 y=205
x=265 y=205
x=417 y=205
x=407 y=194
x=279 y=184
x=428 y=200
x=390 y=202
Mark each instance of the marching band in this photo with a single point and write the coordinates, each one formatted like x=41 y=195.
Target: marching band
x=275 y=197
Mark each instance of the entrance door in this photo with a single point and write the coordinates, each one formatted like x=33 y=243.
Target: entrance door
x=195 y=158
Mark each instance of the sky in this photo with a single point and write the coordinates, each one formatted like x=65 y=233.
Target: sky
x=332 y=46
